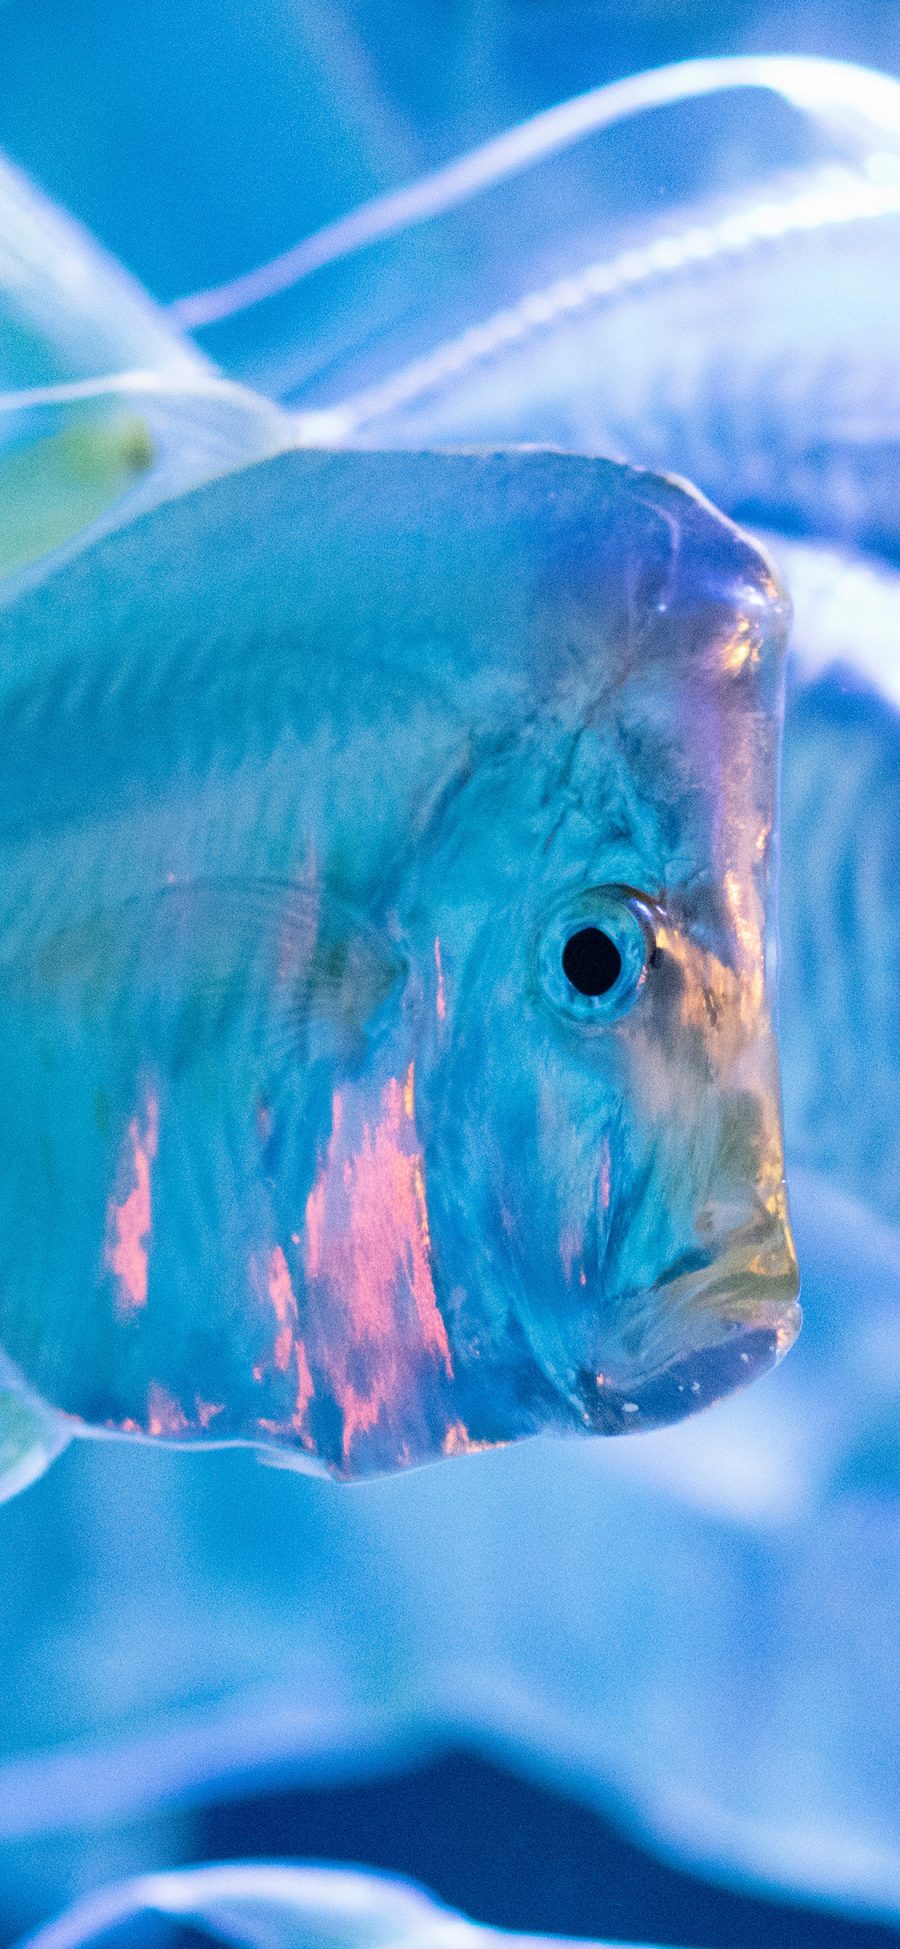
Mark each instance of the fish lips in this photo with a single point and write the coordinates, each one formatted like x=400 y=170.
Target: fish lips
x=741 y=1321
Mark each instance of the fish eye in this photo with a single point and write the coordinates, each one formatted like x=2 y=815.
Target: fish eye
x=594 y=952
x=591 y=961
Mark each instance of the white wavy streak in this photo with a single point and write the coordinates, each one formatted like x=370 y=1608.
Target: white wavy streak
x=835 y=199
x=846 y=611
x=824 y=89
x=271 y=1905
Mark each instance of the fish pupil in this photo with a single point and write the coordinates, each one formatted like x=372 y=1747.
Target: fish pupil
x=591 y=961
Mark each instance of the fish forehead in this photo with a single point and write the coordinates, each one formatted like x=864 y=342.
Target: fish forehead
x=528 y=564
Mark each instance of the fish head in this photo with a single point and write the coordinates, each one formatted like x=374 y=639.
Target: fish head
x=602 y=1123
x=470 y=1129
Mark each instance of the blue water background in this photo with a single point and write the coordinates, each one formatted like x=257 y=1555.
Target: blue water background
x=196 y=141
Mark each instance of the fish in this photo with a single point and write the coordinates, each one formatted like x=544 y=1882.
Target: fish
x=386 y=852
x=784 y=1499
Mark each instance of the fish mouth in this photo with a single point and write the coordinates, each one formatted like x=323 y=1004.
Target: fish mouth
x=732 y=1324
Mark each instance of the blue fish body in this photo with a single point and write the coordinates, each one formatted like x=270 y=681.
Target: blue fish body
x=316 y=782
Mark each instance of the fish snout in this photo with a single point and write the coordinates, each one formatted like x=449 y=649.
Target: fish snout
x=715 y=1329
